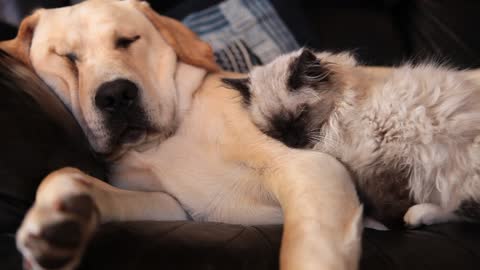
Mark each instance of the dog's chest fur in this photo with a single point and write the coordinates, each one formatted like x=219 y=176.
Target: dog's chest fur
x=200 y=166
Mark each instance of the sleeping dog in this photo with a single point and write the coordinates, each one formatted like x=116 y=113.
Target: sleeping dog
x=410 y=137
x=148 y=95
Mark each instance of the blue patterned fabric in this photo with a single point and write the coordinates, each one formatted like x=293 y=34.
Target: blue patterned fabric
x=243 y=33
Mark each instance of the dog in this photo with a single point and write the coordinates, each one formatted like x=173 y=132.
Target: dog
x=411 y=139
x=149 y=96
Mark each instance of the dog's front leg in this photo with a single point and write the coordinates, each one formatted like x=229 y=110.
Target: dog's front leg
x=322 y=214
x=68 y=207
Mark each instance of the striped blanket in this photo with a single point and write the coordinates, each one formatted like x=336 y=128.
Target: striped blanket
x=243 y=33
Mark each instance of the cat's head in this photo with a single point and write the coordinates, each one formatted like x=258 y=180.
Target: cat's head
x=290 y=98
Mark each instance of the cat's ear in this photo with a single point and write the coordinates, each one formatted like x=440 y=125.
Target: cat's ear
x=306 y=70
x=242 y=85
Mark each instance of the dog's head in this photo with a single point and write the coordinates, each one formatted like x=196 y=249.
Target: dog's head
x=113 y=63
x=292 y=97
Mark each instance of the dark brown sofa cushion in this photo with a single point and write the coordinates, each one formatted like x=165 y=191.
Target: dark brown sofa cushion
x=38 y=135
x=215 y=246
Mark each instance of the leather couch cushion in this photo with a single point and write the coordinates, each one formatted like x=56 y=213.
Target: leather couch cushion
x=443 y=30
x=38 y=135
x=215 y=246
x=190 y=245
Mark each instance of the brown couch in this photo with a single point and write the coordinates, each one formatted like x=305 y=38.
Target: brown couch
x=33 y=142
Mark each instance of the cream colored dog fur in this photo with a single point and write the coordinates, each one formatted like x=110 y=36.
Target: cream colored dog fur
x=200 y=151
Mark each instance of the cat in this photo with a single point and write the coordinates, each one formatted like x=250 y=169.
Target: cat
x=410 y=138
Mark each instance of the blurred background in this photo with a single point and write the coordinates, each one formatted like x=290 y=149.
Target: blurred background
x=380 y=32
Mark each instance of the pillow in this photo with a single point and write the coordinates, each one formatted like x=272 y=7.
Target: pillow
x=243 y=34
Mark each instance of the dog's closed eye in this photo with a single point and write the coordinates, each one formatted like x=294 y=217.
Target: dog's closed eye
x=72 y=59
x=125 y=42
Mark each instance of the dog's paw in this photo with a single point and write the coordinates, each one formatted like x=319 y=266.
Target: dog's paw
x=55 y=232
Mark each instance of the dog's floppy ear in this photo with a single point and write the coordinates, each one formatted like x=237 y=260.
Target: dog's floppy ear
x=19 y=47
x=188 y=46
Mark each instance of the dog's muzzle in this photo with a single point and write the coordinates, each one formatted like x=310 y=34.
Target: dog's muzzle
x=123 y=116
x=116 y=97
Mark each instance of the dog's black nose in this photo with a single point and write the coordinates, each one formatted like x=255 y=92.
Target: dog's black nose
x=117 y=95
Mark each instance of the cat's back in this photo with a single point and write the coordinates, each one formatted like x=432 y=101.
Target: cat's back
x=423 y=104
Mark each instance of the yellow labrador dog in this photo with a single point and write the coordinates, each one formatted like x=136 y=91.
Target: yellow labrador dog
x=148 y=94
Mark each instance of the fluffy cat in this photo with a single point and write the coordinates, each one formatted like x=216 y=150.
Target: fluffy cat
x=410 y=138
